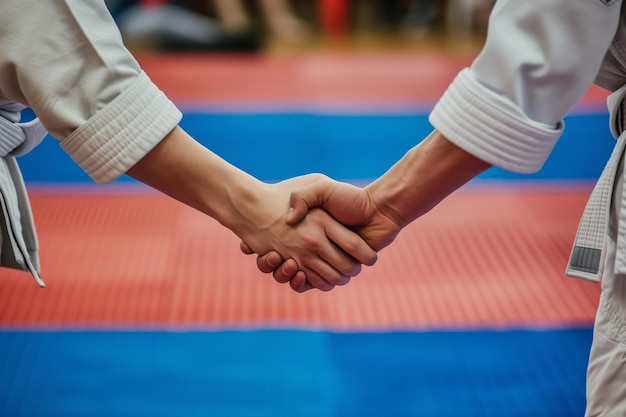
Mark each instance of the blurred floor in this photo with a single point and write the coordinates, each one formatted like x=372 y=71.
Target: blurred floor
x=487 y=257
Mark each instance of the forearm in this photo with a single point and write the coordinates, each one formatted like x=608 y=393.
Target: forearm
x=185 y=170
x=422 y=178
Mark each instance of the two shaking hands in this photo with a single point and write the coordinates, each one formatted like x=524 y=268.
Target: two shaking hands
x=352 y=224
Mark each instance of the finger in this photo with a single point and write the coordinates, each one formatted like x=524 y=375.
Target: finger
x=245 y=248
x=300 y=201
x=350 y=243
x=269 y=262
x=306 y=287
x=323 y=276
x=327 y=277
x=299 y=283
x=339 y=266
x=333 y=256
x=286 y=271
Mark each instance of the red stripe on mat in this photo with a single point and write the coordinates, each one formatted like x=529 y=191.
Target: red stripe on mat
x=353 y=80
x=482 y=258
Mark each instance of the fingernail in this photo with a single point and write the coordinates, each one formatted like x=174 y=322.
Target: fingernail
x=290 y=214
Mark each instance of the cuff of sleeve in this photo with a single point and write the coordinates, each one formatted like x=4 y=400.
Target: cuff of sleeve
x=123 y=132
x=491 y=127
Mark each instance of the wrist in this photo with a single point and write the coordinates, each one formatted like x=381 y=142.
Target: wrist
x=426 y=174
x=385 y=197
x=245 y=205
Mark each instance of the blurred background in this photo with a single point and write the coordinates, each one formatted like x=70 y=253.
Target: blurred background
x=151 y=310
x=270 y=25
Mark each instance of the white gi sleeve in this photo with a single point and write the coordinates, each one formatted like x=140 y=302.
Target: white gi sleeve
x=66 y=60
x=538 y=60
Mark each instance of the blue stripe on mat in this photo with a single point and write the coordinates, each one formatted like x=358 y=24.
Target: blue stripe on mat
x=293 y=373
x=274 y=146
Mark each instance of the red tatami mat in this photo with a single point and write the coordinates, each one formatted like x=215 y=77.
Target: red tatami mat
x=329 y=80
x=484 y=257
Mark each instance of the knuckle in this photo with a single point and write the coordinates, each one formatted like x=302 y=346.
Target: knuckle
x=312 y=242
x=317 y=216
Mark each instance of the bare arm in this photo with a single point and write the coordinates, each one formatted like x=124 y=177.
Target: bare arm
x=91 y=94
x=426 y=174
x=506 y=109
x=185 y=170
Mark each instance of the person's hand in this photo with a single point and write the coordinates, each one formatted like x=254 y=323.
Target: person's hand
x=255 y=211
x=348 y=204
x=322 y=249
x=283 y=270
x=415 y=184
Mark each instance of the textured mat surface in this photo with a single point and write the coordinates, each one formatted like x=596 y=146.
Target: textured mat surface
x=327 y=80
x=485 y=257
x=293 y=374
x=151 y=310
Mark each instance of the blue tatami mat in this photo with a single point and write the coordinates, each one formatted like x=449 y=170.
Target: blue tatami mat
x=349 y=147
x=273 y=373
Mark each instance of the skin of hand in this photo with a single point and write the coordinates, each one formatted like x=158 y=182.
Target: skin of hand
x=350 y=205
x=255 y=211
x=415 y=184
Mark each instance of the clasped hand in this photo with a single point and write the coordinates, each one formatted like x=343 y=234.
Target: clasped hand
x=349 y=205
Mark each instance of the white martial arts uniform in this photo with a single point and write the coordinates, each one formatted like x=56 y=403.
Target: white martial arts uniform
x=539 y=59
x=65 y=59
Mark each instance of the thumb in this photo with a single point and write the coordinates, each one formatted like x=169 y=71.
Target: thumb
x=306 y=198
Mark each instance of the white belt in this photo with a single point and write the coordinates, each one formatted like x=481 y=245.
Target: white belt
x=588 y=252
x=18 y=241
x=19 y=138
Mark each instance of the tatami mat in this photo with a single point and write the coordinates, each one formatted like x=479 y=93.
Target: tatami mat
x=488 y=257
x=151 y=310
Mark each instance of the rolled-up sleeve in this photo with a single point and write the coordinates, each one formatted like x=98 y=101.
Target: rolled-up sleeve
x=538 y=60
x=66 y=60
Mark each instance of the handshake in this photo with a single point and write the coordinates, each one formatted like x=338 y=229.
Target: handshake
x=310 y=231
x=329 y=229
